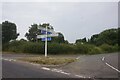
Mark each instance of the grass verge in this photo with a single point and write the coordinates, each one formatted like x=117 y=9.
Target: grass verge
x=49 y=60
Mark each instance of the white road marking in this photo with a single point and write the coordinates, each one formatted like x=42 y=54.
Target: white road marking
x=77 y=57
x=14 y=60
x=34 y=64
x=65 y=73
x=56 y=70
x=6 y=59
x=80 y=76
x=45 y=68
x=60 y=71
x=10 y=60
x=1 y=58
x=110 y=65
x=103 y=58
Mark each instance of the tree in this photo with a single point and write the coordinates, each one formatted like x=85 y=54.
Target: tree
x=93 y=39
x=109 y=36
x=9 y=31
x=59 y=39
x=31 y=35
x=81 y=40
x=34 y=31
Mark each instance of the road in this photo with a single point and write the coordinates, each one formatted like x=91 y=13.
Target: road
x=95 y=66
x=87 y=66
x=19 y=69
x=16 y=70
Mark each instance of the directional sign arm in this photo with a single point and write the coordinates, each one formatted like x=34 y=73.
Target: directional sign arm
x=49 y=35
x=48 y=30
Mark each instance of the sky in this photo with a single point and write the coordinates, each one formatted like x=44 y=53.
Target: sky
x=75 y=20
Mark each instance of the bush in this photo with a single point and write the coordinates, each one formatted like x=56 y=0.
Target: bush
x=25 y=47
x=87 y=49
x=38 y=47
x=57 y=48
x=54 y=48
x=15 y=46
x=5 y=47
x=116 y=48
x=107 y=48
x=95 y=50
x=31 y=47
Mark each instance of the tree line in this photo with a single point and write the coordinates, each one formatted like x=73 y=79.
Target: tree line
x=106 y=41
x=109 y=36
x=9 y=32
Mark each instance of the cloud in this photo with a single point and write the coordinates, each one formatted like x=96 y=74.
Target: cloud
x=74 y=20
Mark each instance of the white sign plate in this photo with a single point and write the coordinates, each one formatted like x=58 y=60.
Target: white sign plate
x=48 y=30
x=49 y=35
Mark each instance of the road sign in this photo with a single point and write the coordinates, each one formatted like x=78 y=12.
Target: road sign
x=41 y=36
x=49 y=35
x=53 y=35
x=48 y=39
x=48 y=30
x=44 y=32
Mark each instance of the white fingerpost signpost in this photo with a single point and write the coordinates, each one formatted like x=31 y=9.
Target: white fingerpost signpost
x=47 y=34
x=46 y=43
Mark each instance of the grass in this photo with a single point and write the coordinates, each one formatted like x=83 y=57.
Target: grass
x=49 y=60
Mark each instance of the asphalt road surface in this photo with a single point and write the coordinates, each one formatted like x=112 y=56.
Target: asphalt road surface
x=16 y=70
x=87 y=66
x=95 y=66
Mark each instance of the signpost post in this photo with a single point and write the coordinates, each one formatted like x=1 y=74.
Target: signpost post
x=46 y=43
x=47 y=34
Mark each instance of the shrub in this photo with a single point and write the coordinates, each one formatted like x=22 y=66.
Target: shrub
x=67 y=48
x=107 y=48
x=57 y=48
x=31 y=47
x=15 y=46
x=116 y=47
x=54 y=48
x=95 y=50
x=5 y=47
x=87 y=49
x=80 y=48
x=25 y=47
